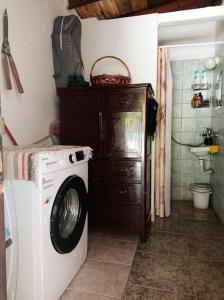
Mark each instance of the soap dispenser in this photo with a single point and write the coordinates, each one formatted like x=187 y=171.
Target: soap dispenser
x=196 y=78
x=204 y=81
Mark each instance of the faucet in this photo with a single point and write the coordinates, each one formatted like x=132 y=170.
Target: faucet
x=207 y=132
x=208 y=136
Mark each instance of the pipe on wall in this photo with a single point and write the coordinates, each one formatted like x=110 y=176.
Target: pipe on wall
x=203 y=170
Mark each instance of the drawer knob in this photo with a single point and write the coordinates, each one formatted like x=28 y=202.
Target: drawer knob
x=123 y=213
x=123 y=192
x=124 y=101
x=123 y=171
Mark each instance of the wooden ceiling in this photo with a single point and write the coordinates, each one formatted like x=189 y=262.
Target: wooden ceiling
x=108 y=9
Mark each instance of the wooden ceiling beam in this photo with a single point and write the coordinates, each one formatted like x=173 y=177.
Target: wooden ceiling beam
x=176 y=5
x=77 y=3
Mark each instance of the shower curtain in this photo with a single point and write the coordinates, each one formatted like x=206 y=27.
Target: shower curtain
x=163 y=136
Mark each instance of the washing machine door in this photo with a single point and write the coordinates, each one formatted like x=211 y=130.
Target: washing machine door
x=68 y=214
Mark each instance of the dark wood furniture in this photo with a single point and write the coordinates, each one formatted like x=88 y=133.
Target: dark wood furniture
x=112 y=121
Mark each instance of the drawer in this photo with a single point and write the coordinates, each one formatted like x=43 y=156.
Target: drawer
x=125 y=217
x=125 y=170
x=115 y=192
x=84 y=103
x=126 y=193
x=124 y=102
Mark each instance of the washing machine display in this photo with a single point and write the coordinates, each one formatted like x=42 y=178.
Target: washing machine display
x=68 y=215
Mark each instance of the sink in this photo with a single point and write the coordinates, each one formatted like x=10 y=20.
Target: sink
x=200 y=152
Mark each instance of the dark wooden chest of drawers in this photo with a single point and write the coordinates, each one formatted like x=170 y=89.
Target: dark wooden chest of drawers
x=112 y=121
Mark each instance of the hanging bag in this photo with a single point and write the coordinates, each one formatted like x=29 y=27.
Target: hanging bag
x=66 y=45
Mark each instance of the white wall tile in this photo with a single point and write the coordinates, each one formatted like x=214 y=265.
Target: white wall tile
x=188 y=138
x=187 y=81
x=176 y=152
x=186 y=128
x=175 y=180
x=187 y=96
x=203 y=123
x=186 y=154
x=186 y=180
x=202 y=178
x=198 y=139
x=176 y=125
x=187 y=166
x=175 y=194
x=217 y=160
x=189 y=66
x=177 y=96
x=177 y=82
x=204 y=112
x=188 y=111
x=177 y=67
x=189 y=124
x=185 y=193
x=176 y=110
x=175 y=165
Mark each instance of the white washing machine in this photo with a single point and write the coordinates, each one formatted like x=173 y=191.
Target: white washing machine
x=11 y=244
x=51 y=221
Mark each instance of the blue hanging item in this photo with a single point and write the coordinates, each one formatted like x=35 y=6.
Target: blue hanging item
x=8 y=238
x=7 y=234
x=74 y=80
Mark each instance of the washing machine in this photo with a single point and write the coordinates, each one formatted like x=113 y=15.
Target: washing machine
x=11 y=244
x=51 y=219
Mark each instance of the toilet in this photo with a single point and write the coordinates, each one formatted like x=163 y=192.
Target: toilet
x=201 y=193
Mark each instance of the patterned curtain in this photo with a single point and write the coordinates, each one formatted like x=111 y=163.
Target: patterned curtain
x=163 y=136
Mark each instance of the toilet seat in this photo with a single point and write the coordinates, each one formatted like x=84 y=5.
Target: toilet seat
x=201 y=187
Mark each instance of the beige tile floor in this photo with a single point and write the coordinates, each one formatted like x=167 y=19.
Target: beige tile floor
x=105 y=273
x=183 y=259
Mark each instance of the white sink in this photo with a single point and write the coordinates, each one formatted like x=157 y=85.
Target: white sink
x=200 y=152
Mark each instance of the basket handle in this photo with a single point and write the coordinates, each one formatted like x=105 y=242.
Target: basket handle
x=129 y=74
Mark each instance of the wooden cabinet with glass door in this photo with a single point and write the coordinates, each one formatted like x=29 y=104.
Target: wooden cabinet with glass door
x=112 y=120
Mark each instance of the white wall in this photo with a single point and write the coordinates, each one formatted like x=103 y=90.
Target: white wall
x=133 y=39
x=219 y=31
x=205 y=14
x=193 y=52
x=187 y=33
x=30 y=25
x=191 y=26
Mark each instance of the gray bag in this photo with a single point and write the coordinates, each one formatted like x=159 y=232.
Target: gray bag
x=66 y=45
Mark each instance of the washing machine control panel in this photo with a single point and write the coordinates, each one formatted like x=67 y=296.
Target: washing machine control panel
x=52 y=161
x=79 y=155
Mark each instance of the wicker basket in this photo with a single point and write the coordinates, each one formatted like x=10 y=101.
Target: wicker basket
x=108 y=80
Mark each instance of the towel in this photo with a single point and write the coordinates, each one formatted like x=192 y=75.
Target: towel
x=22 y=162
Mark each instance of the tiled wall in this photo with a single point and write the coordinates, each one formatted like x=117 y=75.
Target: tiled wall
x=217 y=160
x=187 y=123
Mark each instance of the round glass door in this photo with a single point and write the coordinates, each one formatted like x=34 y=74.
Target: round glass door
x=68 y=215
